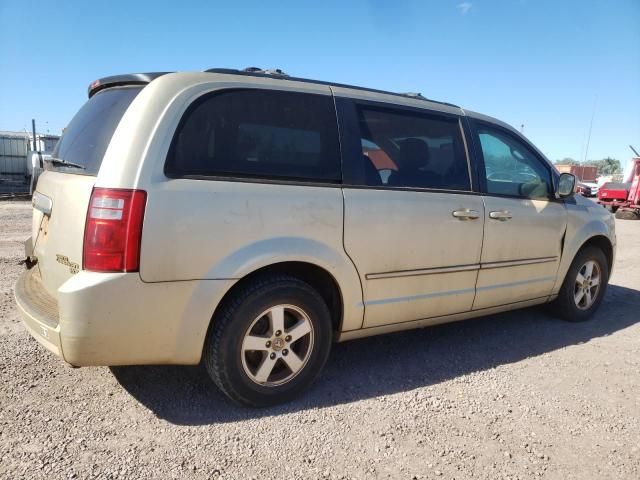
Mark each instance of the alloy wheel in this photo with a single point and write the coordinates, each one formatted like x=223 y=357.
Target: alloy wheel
x=277 y=345
x=587 y=285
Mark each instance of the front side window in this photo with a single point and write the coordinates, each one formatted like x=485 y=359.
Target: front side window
x=408 y=149
x=258 y=133
x=511 y=168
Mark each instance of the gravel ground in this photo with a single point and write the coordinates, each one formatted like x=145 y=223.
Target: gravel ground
x=517 y=395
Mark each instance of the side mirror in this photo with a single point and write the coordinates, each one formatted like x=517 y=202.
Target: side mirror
x=566 y=185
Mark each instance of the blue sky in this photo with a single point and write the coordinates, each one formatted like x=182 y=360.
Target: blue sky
x=542 y=63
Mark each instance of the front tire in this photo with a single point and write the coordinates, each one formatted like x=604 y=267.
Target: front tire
x=269 y=341
x=584 y=286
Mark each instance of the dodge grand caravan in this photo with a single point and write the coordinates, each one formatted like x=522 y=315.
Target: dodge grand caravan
x=247 y=219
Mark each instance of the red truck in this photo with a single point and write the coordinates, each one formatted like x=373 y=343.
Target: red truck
x=623 y=199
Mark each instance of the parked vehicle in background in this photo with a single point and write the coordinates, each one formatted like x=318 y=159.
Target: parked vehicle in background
x=583 y=189
x=246 y=219
x=612 y=195
x=623 y=199
x=587 y=189
x=35 y=164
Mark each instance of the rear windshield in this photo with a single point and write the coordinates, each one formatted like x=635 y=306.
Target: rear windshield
x=85 y=140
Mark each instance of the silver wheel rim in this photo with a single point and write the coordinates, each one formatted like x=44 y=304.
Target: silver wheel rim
x=277 y=345
x=587 y=285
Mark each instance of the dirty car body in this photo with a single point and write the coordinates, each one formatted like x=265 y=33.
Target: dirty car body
x=189 y=214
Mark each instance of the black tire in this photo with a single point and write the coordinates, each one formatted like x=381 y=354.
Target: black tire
x=610 y=208
x=628 y=214
x=565 y=306
x=223 y=357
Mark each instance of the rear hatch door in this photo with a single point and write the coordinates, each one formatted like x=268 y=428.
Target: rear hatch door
x=64 y=189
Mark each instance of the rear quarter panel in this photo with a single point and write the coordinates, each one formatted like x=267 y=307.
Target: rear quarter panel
x=215 y=228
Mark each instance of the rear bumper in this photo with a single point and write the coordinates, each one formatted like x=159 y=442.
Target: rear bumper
x=117 y=319
x=612 y=202
x=39 y=311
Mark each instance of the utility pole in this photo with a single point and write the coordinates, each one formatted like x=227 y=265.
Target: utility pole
x=593 y=114
x=33 y=126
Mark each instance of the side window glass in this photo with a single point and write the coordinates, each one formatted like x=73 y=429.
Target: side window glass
x=511 y=168
x=258 y=133
x=406 y=149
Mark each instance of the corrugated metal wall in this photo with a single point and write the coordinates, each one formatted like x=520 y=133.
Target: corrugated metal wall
x=13 y=155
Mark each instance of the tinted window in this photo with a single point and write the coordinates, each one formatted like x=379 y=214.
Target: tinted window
x=511 y=168
x=404 y=149
x=86 y=138
x=258 y=133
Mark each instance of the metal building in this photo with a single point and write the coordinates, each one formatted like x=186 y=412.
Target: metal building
x=14 y=147
x=13 y=153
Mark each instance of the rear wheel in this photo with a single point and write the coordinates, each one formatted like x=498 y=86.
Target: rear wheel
x=584 y=286
x=269 y=341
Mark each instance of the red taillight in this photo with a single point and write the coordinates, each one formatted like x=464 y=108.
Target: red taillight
x=113 y=230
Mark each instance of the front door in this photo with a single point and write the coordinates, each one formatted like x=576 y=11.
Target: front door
x=412 y=226
x=524 y=223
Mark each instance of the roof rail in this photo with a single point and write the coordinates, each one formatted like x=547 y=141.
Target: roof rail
x=277 y=73
x=414 y=95
x=271 y=71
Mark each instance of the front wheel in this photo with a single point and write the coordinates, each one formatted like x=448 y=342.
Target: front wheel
x=584 y=286
x=269 y=341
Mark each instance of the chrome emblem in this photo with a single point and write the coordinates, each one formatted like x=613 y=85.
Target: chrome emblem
x=278 y=344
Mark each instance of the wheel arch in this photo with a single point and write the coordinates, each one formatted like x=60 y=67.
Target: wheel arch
x=599 y=240
x=316 y=276
x=604 y=244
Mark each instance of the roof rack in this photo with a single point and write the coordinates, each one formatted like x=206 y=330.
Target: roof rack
x=414 y=95
x=271 y=71
x=277 y=73
x=144 y=78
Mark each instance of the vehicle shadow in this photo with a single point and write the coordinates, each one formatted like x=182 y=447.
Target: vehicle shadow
x=386 y=364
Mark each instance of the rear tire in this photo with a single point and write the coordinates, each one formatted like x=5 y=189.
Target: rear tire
x=269 y=341
x=627 y=214
x=584 y=286
x=611 y=208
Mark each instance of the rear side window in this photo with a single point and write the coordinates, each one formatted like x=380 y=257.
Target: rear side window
x=260 y=134
x=408 y=149
x=86 y=138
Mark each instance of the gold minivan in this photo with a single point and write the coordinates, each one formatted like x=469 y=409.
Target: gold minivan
x=248 y=219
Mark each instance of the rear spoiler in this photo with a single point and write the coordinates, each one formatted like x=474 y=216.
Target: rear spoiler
x=121 y=80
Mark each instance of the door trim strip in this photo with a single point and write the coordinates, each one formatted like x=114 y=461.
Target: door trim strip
x=459 y=268
x=412 y=298
x=422 y=271
x=517 y=263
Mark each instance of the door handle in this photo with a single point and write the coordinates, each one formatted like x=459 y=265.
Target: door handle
x=502 y=215
x=465 y=214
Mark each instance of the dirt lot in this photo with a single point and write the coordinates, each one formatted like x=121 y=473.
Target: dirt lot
x=517 y=395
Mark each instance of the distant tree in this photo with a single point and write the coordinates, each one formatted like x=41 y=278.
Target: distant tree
x=606 y=166
x=567 y=161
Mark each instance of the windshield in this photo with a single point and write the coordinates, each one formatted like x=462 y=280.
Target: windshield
x=85 y=140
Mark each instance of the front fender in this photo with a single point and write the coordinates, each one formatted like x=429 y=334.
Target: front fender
x=581 y=228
